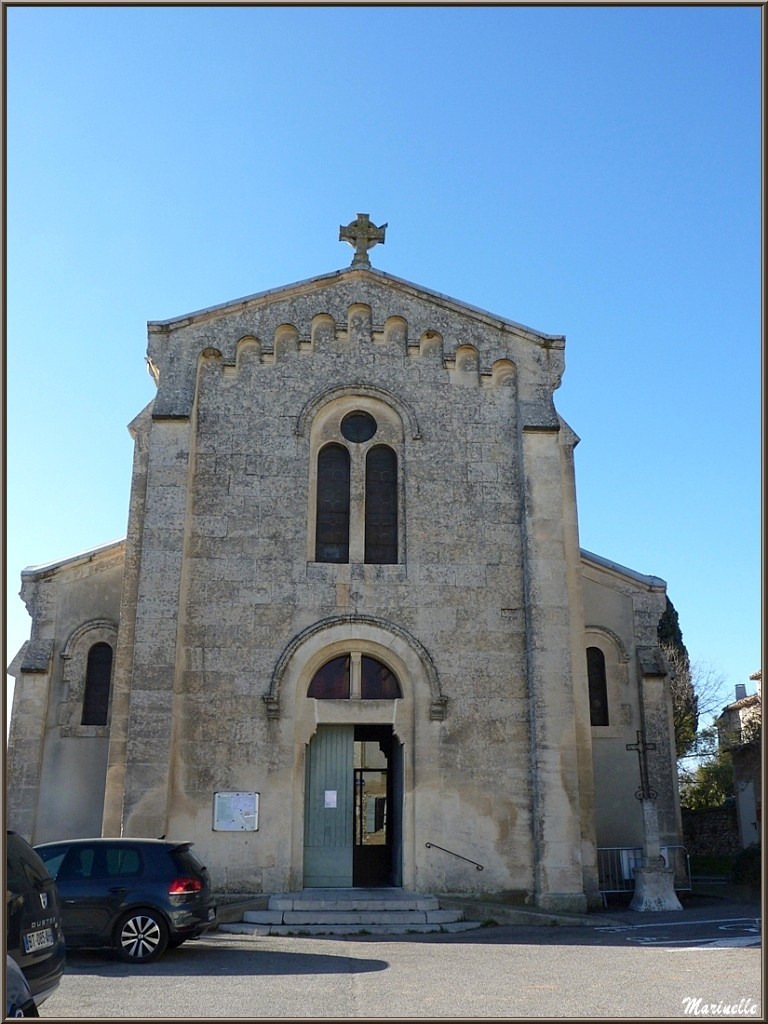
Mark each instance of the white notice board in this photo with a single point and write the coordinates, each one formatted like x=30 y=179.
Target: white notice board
x=235 y=812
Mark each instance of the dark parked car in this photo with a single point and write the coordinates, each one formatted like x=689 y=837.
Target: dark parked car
x=135 y=896
x=18 y=997
x=33 y=918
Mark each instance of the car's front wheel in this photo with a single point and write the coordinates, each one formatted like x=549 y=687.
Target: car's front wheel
x=141 y=936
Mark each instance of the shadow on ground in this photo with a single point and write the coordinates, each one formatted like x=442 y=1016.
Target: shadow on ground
x=201 y=958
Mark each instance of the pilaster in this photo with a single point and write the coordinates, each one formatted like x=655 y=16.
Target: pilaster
x=568 y=441
x=558 y=877
x=148 y=740
x=32 y=670
x=114 y=790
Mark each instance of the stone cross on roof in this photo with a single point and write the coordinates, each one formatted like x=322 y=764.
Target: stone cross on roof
x=362 y=235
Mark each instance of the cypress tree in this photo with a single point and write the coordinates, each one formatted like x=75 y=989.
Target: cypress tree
x=685 y=703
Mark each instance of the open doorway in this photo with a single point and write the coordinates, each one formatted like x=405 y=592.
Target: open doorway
x=353 y=812
x=377 y=847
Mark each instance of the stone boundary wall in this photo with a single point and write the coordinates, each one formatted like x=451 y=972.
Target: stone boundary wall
x=713 y=832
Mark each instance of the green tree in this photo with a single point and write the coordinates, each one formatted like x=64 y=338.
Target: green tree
x=711 y=782
x=685 y=702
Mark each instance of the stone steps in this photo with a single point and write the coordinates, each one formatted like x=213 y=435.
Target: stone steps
x=350 y=912
x=362 y=928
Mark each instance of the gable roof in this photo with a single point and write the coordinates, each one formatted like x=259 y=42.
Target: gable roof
x=651 y=582
x=314 y=283
x=113 y=547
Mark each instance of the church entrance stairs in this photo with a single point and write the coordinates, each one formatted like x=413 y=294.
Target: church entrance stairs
x=387 y=911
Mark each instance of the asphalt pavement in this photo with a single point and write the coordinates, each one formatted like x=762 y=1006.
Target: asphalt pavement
x=703 y=960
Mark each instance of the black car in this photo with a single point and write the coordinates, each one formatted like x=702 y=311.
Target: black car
x=18 y=997
x=135 y=896
x=34 y=933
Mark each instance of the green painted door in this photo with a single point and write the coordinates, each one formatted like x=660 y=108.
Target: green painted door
x=328 y=814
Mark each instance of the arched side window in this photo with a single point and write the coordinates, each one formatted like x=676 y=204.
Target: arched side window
x=356 y=677
x=598 y=687
x=381 y=506
x=79 y=715
x=332 y=528
x=98 y=676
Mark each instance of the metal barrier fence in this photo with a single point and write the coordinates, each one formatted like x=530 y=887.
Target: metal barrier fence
x=616 y=867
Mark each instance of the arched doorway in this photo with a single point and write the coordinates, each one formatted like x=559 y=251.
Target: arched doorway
x=353 y=807
x=290 y=707
x=353 y=786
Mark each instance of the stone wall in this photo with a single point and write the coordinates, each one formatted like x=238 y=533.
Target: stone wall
x=56 y=765
x=711 y=833
x=228 y=607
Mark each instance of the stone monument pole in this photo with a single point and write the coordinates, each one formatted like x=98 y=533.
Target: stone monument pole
x=654 y=881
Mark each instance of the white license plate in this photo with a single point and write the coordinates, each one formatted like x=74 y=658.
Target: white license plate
x=38 y=940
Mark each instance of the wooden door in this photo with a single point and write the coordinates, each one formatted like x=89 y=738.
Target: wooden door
x=329 y=811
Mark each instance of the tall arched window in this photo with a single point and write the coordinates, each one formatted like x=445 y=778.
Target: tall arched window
x=97 y=680
x=598 y=687
x=356 y=495
x=381 y=506
x=332 y=530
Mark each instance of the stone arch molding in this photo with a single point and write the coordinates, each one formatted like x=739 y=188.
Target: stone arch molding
x=341 y=630
x=75 y=659
x=609 y=634
x=313 y=406
x=617 y=677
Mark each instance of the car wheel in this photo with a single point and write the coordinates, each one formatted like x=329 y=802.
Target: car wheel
x=141 y=936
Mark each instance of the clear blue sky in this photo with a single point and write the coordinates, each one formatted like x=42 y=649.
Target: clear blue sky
x=587 y=171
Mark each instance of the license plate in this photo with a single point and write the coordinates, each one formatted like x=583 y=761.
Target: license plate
x=38 y=940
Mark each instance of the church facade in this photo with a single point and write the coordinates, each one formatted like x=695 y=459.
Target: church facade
x=350 y=638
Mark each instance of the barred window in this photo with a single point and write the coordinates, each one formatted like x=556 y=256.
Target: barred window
x=598 y=687
x=356 y=510
x=381 y=506
x=97 y=682
x=332 y=532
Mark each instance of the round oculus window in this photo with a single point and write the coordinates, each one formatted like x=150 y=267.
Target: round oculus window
x=358 y=427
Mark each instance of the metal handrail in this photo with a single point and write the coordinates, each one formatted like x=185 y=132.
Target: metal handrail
x=429 y=846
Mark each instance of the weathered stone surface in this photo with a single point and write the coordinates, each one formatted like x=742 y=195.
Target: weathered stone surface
x=223 y=612
x=654 y=890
